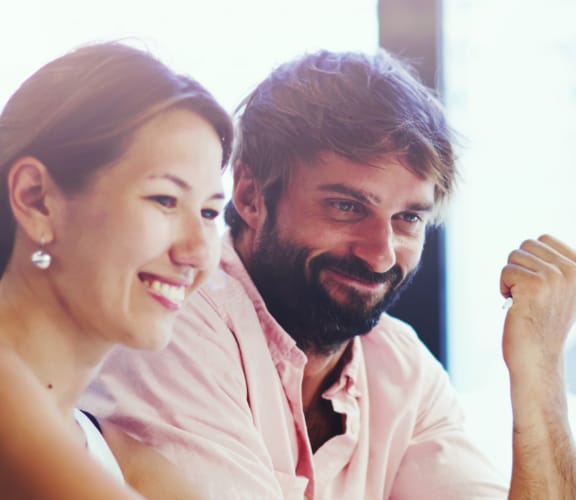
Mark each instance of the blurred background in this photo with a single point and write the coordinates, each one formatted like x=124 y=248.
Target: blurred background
x=506 y=72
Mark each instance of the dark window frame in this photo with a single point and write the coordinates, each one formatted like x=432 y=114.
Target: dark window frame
x=412 y=30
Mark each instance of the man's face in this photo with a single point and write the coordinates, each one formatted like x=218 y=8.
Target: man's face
x=344 y=239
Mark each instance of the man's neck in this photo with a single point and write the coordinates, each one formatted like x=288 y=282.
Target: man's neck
x=320 y=372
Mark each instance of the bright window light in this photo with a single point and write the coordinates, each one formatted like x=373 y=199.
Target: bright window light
x=225 y=44
x=510 y=88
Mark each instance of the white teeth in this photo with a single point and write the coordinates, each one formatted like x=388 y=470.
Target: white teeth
x=173 y=293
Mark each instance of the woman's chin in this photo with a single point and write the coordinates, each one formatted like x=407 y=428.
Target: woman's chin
x=153 y=337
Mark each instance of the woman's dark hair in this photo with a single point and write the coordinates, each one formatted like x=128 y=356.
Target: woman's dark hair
x=79 y=112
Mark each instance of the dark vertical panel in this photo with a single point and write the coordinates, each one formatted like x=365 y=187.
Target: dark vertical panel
x=411 y=29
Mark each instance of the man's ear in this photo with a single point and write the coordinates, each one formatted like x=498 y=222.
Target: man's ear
x=28 y=183
x=248 y=198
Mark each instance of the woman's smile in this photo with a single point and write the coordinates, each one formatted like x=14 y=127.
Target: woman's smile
x=168 y=293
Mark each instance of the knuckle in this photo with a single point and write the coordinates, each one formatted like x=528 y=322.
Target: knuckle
x=546 y=238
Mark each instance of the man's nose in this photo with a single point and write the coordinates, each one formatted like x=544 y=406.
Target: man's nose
x=376 y=245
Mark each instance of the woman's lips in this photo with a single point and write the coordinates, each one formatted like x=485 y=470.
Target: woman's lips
x=166 y=291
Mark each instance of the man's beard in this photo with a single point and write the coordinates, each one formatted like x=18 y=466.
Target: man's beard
x=301 y=304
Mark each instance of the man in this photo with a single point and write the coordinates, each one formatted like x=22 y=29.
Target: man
x=286 y=378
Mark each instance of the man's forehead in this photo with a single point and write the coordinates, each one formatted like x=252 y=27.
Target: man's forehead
x=329 y=169
x=381 y=161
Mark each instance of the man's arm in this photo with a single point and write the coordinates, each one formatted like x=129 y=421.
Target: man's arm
x=541 y=278
x=442 y=460
x=190 y=402
x=146 y=470
x=420 y=418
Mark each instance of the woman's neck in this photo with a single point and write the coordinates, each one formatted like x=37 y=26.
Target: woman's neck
x=63 y=358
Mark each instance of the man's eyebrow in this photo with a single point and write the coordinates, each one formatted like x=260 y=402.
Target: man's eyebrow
x=370 y=198
x=359 y=194
x=182 y=184
x=421 y=207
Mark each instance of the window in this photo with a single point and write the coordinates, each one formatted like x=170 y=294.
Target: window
x=510 y=89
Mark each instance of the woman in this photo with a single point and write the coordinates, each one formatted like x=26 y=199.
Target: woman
x=110 y=184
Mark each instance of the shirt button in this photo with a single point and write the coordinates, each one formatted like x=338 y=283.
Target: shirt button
x=354 y=427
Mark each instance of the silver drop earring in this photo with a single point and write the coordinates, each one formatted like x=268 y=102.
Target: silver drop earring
x=41 y=258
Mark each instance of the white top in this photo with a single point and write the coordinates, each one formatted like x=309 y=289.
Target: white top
x=97 y=446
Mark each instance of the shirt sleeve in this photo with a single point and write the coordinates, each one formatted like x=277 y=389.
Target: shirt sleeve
x=441 y=461
x=190 y=402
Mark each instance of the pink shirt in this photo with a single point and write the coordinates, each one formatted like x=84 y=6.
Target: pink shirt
x=223 y=400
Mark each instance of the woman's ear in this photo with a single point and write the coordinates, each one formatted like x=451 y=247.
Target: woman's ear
x=28 y=184
x=248 y=198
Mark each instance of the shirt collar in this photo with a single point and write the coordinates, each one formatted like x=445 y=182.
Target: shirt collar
x=282 y=346
x=347 y=381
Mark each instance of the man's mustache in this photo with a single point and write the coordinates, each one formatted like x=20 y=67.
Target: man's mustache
x=357 y=269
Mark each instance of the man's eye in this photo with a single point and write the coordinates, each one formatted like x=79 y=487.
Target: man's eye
x=411 y=217
x=342 y=210
x=345 y=205
x=210 y=214
x=164 y=200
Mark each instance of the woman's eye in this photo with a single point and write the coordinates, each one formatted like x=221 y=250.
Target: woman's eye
x=164 y=200
x=210 y=214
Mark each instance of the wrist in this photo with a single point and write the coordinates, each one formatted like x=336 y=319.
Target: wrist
x=538 y=398
x=537 y=370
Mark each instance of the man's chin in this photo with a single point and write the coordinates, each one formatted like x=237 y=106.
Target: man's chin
x=356 y=303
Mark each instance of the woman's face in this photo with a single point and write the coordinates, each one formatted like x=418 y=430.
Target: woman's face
x=129 y=249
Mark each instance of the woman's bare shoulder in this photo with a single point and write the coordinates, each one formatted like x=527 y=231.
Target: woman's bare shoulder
x=145 y=469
